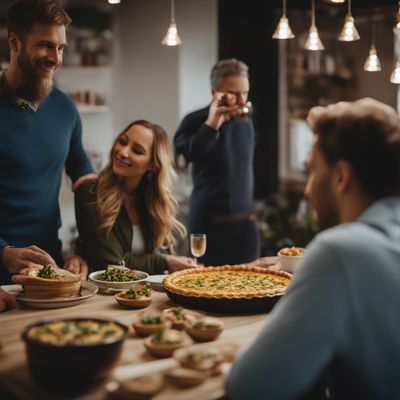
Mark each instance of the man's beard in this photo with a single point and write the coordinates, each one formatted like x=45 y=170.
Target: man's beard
x=36 y=88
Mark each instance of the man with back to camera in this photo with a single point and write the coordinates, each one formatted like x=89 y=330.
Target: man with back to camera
x=340 y=317
x=220 y=144
x=39 y=134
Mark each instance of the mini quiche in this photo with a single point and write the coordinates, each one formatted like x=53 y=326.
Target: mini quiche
x=149 y=322
x=179 y=316
x=135 y=297
x=165 y=341
x=204 y=329
x=50 y=282
x=228 y=282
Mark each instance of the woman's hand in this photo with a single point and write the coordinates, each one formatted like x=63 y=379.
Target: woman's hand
x=77 y=265
x=177 y=263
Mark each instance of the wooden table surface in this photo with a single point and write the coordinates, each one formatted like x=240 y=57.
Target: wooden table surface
x=135 y=361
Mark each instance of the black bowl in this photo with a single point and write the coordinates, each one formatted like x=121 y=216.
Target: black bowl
x=72 y=369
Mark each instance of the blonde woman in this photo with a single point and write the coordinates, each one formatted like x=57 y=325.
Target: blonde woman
x=128 y=213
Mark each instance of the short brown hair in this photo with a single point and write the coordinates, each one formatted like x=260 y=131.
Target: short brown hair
x=365 y=133
x=23 y=14
x=225 y=68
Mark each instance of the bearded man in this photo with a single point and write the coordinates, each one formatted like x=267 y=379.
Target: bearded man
x=338 y=324
x=40 y=134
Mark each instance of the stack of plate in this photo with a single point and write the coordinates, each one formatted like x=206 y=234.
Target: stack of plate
x=155 y=282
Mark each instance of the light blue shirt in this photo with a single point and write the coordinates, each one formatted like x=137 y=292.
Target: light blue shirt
x=340 y=316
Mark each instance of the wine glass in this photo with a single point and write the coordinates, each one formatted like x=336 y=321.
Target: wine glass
x=198 y=244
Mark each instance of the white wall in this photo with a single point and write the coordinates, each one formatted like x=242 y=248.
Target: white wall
x=157 y=82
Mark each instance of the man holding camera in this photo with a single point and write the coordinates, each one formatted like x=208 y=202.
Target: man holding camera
x=219 y=141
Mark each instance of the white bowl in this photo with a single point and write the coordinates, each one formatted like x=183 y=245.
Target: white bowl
x=155 y=282
x=113 y=287
x=288 y=263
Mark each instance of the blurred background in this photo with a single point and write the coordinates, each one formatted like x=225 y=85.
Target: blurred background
x=117 y=70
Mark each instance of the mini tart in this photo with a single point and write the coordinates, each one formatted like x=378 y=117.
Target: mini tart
x=139 y=301
x=171 y=339
x=228 y=282
x=185 y=377
x=143 y=328
x=204 y=329
x=146 y=386
x=179 y=316
x=63 y=284
x=199 y=358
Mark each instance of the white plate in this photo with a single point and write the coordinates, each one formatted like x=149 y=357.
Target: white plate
x=88 y=290
x=156 y=282
x=113 y=287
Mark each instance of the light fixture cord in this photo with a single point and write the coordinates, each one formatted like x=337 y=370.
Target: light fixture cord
x=284 y=8
x=172 y=11
x=373 y=34
x=349 y=7
x=313 y=13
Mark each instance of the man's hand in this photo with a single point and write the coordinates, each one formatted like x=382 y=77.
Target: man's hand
x=83 y=178
x=77 y=265
x=265 y=262
x=17 y=258
x=222 y=109
x=176 y=263
x=6 y=301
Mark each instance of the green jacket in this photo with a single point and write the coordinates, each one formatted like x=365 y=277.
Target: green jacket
x=99 y=250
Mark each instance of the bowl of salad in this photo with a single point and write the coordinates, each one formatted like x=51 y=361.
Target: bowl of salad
x=115 y=278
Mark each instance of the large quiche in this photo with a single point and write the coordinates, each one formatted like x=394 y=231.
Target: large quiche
x=227 y=282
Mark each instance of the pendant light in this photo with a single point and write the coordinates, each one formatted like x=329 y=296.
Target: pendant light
x=313 y=41
x=372 y=63
x=172 y=38
x=283 y=30
x=338 y=1
x=395 y=76
x=349 y=32
x=114 y=1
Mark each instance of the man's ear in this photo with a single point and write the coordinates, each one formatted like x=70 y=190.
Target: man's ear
x=14 y=42
x=344 y=176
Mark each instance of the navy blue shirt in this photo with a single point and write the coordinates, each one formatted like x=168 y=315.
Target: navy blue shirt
x=222 y=163
x=34 y=148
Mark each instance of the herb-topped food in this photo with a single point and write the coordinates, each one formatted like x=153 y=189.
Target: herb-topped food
x=50 y=282
x=76 y=332
x=149 y=322
x=178 y=316
x=136 y=297
x=163 y=342
x=204 y=329
x=230 y=281
x=117 y=274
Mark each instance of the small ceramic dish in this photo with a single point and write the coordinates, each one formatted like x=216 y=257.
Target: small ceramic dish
x=204 y=329
x=179 y=316
x=185 y=377
x=289 y=257
x=149 y=322
x=135 y=297
x=165 y=341
x=155 y=282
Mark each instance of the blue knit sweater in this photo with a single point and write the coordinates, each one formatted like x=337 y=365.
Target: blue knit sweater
x=34 y=148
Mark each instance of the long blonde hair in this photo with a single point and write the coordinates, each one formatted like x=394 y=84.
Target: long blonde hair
x=154 y=202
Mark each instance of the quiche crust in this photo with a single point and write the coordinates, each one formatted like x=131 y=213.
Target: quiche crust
x=228 y=282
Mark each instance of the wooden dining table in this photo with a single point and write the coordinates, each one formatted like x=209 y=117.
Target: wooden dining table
x=16 y=382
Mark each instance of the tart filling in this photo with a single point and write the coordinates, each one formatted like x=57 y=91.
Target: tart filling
x=229 y=281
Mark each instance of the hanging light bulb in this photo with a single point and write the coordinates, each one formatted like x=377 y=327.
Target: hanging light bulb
x=372 y=62
x=349 y=32
x=114 y=1
x=313 y=41
x=172 y=38
x=395 y=77
x=337 y=1
x=283 y=30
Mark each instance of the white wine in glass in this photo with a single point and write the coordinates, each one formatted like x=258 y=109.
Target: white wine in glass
x=198 y=244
